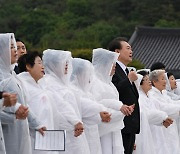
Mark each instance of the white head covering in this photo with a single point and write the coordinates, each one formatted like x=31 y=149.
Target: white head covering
x=168 y=85
x=103 y=61
x=131 y=69
x=144 y=69
x=82 y=74
x=8 y=82
x=55 y=62
x=138 y=81
x=5 y=54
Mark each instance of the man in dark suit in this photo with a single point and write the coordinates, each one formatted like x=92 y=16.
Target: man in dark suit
x=21 y=50
x=128 y=94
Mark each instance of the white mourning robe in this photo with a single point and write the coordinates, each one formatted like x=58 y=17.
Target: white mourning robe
x=81 y=79
x=176 y=100
x=57 y=82
x=91 y=122
x=72 y=114
x=151 y=139
x=2 y=146
x=166 y=104
x=41 y=105
x=105 y=93
x=174 y=95
x=110 y=132
x=16 y=133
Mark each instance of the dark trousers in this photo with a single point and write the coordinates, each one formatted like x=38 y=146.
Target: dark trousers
x=128 y=142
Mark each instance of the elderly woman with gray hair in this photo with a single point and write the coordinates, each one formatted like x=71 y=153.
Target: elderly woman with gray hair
x=152 y=120
x=166 y=104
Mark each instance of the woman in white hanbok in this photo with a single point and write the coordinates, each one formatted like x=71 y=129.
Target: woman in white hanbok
x=105 y=93
x=171 y=86
x=58 y=69
x=171 y=89
x=161 y=98
x=151 y=139
x=16 y=133
x=81 y=78
x=31 y=71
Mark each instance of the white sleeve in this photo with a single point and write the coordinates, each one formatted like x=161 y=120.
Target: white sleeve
x=7 y=114
x=12 y=109
x=33 y=122
x=171 y=109
x=91 y=111
x=156 y=117
x=111 y=103
x=1 y=104
x=7 y=117
x=66 y=109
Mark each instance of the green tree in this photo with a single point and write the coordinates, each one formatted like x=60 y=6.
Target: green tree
x=35 y=24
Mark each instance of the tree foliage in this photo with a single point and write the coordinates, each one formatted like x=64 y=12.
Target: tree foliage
x=81 y=25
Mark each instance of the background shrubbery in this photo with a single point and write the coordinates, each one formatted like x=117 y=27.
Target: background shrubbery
x=81 y=25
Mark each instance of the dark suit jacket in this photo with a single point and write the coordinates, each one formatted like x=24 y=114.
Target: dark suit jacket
x=128 y=94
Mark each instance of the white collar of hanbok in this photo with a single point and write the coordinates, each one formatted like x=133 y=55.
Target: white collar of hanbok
x=141 y=92
x=13 y=66
x=155 y=90
x=27 y=76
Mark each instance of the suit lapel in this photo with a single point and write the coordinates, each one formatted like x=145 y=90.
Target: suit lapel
x=121 y=73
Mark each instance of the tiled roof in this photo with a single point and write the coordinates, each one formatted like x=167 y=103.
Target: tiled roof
x=156 y=44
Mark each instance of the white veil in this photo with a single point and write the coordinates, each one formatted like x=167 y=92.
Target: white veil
x=168 y=86
x=5 y=54
x=170 y=92
x=6 y=78
x=106 y=93
x=55 y=63
x=102 y=61
x=82 y=73
x=16 y=134
x=138 y=81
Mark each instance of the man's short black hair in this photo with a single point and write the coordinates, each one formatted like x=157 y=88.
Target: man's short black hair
x=27 y=59
x=157 y=66
x=19 y=40
x=115 y=44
